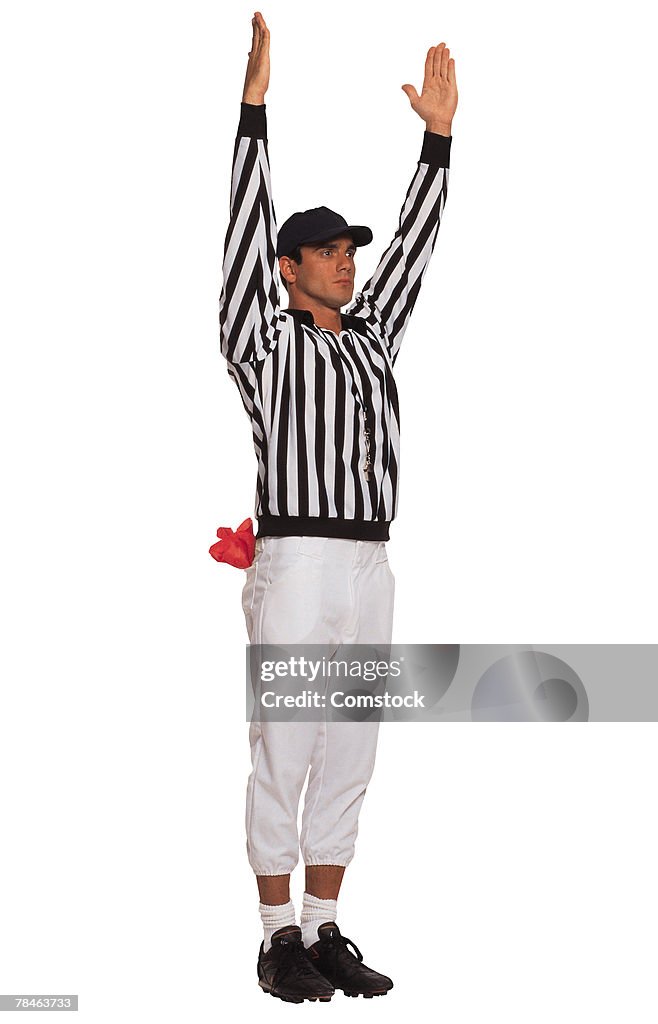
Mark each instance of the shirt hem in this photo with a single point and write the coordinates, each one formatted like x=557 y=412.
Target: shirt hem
x=316 y=526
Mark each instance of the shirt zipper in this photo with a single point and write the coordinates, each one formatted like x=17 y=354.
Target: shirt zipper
x=367 y=465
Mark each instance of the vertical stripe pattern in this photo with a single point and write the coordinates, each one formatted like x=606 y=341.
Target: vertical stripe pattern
x=310 y=392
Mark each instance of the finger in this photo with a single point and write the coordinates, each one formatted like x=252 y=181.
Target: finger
x=445 y=57
x=264 y=33
x=411 y=93
x=428 y=67
x=438 y=50
x=451 y=72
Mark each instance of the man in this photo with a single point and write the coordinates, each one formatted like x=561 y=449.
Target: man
x=318 y=387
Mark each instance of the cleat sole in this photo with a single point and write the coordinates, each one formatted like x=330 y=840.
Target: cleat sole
x=293 y=999
x=367 y=995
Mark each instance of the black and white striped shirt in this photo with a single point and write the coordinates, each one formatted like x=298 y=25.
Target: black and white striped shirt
x=321 y=402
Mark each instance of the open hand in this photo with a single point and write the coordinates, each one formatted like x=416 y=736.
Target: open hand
x=438 y=101
x=257 y=77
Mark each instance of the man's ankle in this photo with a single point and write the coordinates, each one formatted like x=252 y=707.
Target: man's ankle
x=315 y=911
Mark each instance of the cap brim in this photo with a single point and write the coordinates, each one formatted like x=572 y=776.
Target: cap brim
x=359 y=232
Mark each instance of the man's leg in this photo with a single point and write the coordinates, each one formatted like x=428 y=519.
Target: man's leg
x=361 y=587
x=282 y=603
x=341 y=767
x=273 y=889
x=323 y=880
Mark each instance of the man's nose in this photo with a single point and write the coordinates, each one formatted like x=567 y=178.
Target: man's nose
x=343 y=264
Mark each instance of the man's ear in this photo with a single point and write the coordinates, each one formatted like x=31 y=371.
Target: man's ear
x=285 y=264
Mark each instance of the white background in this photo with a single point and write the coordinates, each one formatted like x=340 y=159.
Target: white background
x=501 y=872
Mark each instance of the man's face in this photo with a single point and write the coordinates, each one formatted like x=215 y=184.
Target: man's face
x=326 y=273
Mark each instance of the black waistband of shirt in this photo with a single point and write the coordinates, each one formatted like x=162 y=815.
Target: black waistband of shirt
x=315 y=526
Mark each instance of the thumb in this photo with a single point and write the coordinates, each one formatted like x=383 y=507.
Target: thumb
x=411 y=93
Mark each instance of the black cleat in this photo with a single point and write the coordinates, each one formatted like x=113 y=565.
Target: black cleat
x=286 y=972
x=342 y=968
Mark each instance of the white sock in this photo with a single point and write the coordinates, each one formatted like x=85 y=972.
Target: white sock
x=273 y=918
x=314 y=913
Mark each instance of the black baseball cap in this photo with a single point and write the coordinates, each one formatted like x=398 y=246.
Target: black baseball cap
x=317 y=225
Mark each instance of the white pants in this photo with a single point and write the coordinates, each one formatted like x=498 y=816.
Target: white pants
x=312 y=590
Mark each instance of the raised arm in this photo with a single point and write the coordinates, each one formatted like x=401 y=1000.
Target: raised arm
x=249 y=304
x=388 y=298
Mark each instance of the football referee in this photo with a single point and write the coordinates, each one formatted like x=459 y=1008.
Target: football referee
x=317 y=384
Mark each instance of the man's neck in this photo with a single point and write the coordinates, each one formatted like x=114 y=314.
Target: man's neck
x=324 y=316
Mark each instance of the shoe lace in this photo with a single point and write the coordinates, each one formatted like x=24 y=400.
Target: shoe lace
x=294 y=958
x=338 y=946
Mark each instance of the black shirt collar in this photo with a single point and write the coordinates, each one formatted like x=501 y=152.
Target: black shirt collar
x=349 y=321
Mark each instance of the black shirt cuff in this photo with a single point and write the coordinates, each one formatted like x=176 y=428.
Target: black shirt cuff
x=253 y=121
x=436 y=149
